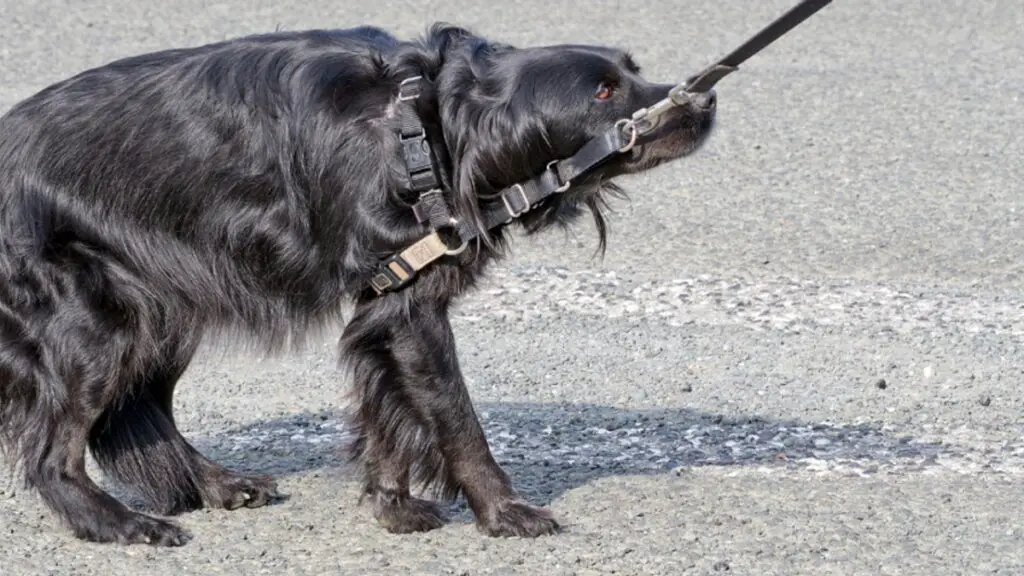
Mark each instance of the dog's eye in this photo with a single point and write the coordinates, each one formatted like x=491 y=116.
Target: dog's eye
x=604 y=90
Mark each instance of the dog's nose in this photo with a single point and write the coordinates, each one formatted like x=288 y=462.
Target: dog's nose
x=706 y=100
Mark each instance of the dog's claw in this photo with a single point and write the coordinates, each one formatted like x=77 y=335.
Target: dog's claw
x=518 y=518
x=246 y=491
x=136 y=529
x=406 y=514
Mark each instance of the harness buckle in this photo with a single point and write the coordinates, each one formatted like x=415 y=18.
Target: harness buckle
x=416 y=151
x=400 y=269
x=393 y=273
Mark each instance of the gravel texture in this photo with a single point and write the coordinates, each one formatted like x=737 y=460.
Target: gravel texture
x=802 y=353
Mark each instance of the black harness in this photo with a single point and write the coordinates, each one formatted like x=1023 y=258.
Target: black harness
x=431 y=209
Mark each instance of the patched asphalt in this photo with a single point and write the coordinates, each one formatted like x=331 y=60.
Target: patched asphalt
x=801 y=354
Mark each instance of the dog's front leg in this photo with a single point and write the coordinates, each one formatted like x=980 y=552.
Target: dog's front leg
x=416 y=421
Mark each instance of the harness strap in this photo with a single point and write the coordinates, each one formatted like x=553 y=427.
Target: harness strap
x=431 y=209
x=556 y=178
x=421 y=164
x=419 y=160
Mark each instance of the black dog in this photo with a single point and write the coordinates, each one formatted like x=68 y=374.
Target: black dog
x=252 y=187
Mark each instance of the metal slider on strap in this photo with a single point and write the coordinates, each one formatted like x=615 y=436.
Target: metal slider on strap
x=509 y=198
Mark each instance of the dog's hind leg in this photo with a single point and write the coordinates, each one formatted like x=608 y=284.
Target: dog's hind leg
x=53 y=385
x=137 y=443
x=53 y=462
x=80 y=368
x=57 y=471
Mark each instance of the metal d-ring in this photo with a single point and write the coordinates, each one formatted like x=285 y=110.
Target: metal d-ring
x=462 y=247
x=402 y=95
x=631 y=126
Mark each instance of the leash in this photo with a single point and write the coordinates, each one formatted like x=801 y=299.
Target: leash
x=646 y=119
x=400 y=269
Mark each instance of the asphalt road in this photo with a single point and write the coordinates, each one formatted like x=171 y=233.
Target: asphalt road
x=802 y=354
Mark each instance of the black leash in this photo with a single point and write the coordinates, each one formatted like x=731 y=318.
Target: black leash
x=399 y=269
x=703 y=81
x=647 y=119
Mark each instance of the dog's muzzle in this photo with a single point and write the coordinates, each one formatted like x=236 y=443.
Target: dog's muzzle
x=705 y=101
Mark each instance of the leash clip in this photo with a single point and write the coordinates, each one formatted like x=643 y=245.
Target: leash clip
x=647 y=119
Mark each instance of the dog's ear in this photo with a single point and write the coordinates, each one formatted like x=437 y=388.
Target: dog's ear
x=428 y=55
x=494 y=139
x=493 y=144
x=442 y=35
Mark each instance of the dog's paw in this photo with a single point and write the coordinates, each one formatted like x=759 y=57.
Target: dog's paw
x=405 y=515
x=233 y=491
x=134 y=528
x=518 y=518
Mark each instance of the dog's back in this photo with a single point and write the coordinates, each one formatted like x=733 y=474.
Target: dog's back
x=189 y=167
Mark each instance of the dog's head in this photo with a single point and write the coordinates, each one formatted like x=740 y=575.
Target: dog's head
x=578 y=92
x=507 y=112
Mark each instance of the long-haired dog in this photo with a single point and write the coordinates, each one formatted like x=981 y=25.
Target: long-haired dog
x=254 y=187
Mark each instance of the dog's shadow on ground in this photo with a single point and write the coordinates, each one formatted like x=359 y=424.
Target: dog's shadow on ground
x=551 y=449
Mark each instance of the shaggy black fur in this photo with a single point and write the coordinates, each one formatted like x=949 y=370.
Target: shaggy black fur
x=248 y=188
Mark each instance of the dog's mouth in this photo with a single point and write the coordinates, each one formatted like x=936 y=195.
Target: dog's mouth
x=680 y=135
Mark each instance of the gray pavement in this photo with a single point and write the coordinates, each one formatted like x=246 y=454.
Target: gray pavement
x=802 y=354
